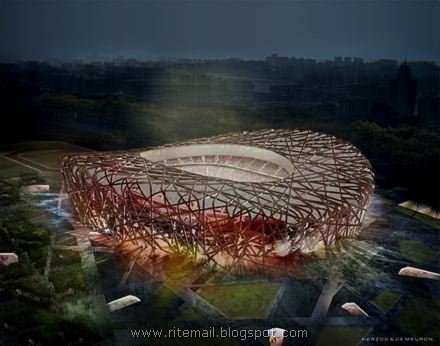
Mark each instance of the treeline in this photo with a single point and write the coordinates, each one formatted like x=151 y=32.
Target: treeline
x=405 y=156
x=118 y=122
x=402 y=156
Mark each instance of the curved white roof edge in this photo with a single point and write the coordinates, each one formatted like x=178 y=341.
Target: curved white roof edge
x=156 y=155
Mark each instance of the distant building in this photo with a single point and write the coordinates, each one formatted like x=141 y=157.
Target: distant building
x=403 y=92
x=427 y=75
x=276 y=61
x=338 y=60
x=428 y=110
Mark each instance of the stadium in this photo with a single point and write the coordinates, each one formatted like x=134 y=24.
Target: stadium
x=236 y=200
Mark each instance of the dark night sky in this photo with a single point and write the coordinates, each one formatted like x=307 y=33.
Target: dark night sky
x=220 y=28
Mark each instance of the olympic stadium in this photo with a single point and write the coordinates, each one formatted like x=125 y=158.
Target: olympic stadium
x=235 y=199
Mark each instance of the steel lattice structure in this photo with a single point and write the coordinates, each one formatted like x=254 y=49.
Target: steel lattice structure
x=251 y=197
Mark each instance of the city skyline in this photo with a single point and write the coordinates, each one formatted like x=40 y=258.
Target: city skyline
x=150 y=30
x=122 y=59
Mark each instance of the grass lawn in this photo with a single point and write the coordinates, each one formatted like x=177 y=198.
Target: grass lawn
x=417 y=251
x=164 y=304
x=346 y=336
x=386 y=299
x=46 y=153
x=420 y=217
x=163 y=297
x=246 y=300
x=188 y=314
x=11 y=169
x=41 y=145
x=421 y=318
x=50 y=158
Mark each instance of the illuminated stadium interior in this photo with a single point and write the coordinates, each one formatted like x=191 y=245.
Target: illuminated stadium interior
x=226 y=161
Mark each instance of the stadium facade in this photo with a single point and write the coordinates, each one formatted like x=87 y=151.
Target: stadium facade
x=234 y=199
